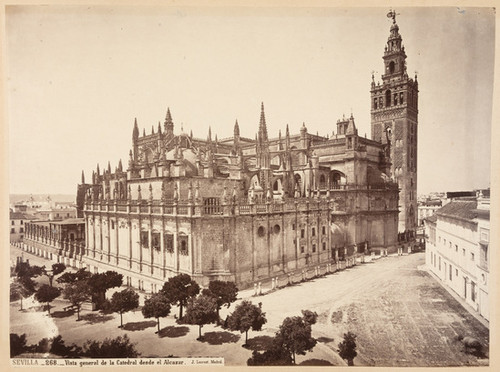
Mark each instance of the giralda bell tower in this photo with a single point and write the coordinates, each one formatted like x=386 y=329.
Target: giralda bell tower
x=394 y=119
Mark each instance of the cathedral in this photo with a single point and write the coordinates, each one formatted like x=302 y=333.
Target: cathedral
x=250 y=209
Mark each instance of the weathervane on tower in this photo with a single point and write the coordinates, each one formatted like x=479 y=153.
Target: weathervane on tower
x=392 y=14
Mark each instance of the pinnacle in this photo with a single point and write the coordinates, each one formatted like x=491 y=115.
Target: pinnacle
x=236 y=128
x=262 y=125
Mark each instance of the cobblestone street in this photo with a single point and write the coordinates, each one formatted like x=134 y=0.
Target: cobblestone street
x=400 y=314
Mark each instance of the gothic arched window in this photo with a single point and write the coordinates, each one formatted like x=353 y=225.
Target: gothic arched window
x=388 y=98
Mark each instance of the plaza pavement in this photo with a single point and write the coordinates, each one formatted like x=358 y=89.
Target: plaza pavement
x=400 y=314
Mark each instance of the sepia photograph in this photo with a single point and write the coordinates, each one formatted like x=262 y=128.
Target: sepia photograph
x=248 y=185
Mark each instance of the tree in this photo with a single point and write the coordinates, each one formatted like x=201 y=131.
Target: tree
x=17 y=344
x=294 y=334
x=309 y=317
x=47 y=294
x=157 y=306
x=246 y=316
x=275 y=356
x=59 y=348
x=124 y=301
x=19 y=290
x=25 y=273
x=179 y=289
x=119 y=347
x=200 y=311
x=77 y=293
x=73 y=277
x=100 y=283
x=24 y=269
x=224 y=293
x=347 y=348
x=57 y=269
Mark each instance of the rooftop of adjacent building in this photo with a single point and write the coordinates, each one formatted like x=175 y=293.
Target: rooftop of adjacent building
x=69 y=221
x=20 y=216
x=460 y=208
x=469 y=206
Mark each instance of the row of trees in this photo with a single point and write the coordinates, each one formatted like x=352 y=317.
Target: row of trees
x=78 y=287
x=294 y=336
x=201 y=308
x=119 y=347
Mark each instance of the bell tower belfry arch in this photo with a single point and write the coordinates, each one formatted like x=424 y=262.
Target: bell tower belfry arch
x=394 y=120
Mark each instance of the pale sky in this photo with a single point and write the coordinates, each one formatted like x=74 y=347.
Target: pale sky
x=78 y=76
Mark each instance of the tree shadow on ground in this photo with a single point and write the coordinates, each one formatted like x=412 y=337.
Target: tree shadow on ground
x=259 y=343
x=315 y=362
x=219 y=338
x=62 y=314
x=139 y=326
x=95 y=318
x=325 y=340
x=173 y=331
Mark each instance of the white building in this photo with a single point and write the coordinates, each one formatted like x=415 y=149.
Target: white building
x=426 y=209
x=457 y=242
x=17 y=226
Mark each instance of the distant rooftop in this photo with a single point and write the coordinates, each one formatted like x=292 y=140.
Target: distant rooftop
x=20 y=216
x=69 y=221
x=432 y=218
x=460 y=194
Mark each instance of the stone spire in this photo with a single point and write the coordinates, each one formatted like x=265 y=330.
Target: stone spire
x=130 y=159
x=159 y=127
x=190 y=192
x=169 y=124
x=236 y=129
x=224 y=194
x=209 y=137
x=135 y=132
x=287 y=138
x=176 y=193
x=120 y=167
x=83 y=178
x=262 y=125
x=234 y=192
x=197 y=196
x=163 y=194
